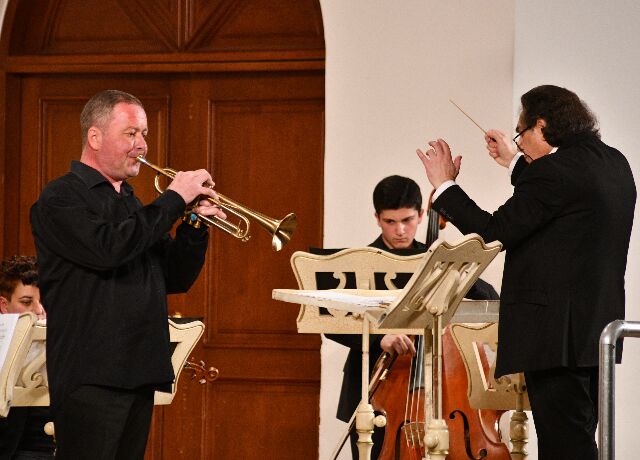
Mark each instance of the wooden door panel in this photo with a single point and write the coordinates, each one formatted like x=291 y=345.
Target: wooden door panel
x=267 y=139
x=258 y=424
x=47 y=122
x=50 y=139
x=250 y=133
x=178 y=431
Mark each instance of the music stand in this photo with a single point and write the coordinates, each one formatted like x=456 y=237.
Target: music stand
x=427 y=302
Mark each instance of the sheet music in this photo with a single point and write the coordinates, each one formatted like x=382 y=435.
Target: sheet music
x=8 y=323
x=334 y=299
x=365 y=301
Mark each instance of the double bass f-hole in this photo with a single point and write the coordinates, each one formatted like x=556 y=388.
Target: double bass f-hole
x=467 y=437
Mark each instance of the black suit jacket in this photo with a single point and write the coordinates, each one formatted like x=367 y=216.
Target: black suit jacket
x=566 y=233
x=351 y=381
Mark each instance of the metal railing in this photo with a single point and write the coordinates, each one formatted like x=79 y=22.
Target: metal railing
x=607 y=388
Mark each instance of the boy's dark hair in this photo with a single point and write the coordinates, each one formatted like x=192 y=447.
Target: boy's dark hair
x=14 y=269
x=395 y=192
x=567 y=117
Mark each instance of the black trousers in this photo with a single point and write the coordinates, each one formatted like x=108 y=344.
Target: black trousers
x=564 y=402
x=102 y=423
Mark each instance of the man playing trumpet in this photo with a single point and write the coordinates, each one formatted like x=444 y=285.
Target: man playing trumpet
x=106 y=263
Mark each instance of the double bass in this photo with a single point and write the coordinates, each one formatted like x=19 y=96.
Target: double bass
x=396 y=391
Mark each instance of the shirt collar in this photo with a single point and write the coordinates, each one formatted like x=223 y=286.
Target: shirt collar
x=379 y=243
x=92 y=177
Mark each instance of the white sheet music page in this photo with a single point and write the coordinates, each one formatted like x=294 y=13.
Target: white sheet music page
x=337 y=299
x=361 y=300
x=7 y=327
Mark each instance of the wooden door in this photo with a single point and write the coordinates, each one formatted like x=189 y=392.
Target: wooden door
x=257 y=123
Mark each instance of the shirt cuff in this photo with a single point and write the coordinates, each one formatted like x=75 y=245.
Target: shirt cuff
x=514 y=160
x=445 y=185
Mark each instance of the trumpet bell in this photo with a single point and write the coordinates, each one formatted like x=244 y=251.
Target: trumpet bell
x=283 y=231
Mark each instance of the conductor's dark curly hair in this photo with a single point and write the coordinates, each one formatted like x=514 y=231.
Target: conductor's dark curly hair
x=567 y=117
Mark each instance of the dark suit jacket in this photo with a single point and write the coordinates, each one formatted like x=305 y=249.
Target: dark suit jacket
x=351 y=381
x=566 y=232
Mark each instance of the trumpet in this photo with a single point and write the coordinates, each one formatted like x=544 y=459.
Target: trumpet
x=280 y=230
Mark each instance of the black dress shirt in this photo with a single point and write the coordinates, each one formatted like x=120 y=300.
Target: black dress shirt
x=106 y=264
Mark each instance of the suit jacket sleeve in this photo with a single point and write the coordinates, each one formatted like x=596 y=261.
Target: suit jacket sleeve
x=538 y=196
x=521 y=165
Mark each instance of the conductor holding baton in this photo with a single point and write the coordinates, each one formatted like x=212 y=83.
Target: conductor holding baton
x=566 y=232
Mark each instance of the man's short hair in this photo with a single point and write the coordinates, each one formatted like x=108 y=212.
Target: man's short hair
x=14 y=269
x=395 y=192
x=97 y=112
x=567 y=117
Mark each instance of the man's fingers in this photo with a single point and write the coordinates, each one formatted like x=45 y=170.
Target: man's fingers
x=457 y=162
x=206 y=208
x=436 y=148
x=411 y=347
x=404 y=345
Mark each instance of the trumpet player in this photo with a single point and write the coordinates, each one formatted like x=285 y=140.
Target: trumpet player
x=106 y=263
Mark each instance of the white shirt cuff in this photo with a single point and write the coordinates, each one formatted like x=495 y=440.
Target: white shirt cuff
x=442 y=188
x=514 y=160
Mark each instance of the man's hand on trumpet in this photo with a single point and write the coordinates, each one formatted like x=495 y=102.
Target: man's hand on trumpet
x=193 y=184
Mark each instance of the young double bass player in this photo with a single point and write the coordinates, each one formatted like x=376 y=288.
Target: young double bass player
x=398 y=208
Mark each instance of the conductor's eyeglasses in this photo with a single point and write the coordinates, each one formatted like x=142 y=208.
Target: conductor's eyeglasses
x=520 y=133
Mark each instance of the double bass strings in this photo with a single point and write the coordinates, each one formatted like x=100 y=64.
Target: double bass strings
x=414 y=385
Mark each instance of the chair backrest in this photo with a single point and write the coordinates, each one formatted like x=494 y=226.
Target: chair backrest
x=477 y=344
x=185 y=336
x=23 y=378
x=19 y=340
x=32 y=386
x=357 y=268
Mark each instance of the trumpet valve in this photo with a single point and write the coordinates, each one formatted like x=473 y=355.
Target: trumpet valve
x=192 y=219
x=190 y=215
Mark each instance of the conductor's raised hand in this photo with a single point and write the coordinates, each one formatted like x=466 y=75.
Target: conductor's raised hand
x=438 y=164
x=500 y=147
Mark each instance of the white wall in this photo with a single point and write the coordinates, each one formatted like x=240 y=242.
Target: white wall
x=391 y=69
x=592 y=47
